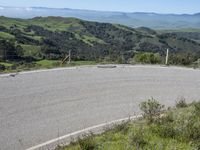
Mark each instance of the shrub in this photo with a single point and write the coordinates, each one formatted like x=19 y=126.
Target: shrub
x=2 y=67
x=149 y=58
x=197 y=109
x=152 y=109
x=194 y=132
x=181 y=103
x=137 y=139
x=87 y=142
x=166 y=118
x=59 y=147
x=122 y=127
x=166 y=131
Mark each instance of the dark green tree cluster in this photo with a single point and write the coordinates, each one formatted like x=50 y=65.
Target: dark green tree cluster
x=9 y=51
x=95 y=41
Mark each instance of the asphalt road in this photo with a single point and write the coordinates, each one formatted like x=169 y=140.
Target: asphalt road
x=40 y=106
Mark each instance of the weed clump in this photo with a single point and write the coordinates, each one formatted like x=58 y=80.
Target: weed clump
x=137 y=139
x=87 y=142
x=181 y=103
x=152 y=110
x=122 y=127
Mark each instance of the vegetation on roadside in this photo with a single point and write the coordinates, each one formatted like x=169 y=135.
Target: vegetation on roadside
x=41 y=64
x=147 y=58
x=175 y=128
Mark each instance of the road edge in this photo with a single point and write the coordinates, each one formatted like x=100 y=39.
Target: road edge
x=64 y=140
x=94 y=66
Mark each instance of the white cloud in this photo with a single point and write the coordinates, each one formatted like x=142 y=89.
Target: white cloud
x=1 y=8
x=28 y=9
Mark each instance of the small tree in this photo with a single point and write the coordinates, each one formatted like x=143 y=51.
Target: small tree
x=152 y=109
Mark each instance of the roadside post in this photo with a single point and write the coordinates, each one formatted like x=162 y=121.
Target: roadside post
x=167 y=57
x=65 y=59
x=69 y=61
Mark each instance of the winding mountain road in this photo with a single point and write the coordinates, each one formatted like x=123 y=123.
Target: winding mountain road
x=39 y=106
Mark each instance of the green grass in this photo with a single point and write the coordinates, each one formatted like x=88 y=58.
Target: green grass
x=179 y=30
x=6 y=64
x=8 y=22
x=50 y=23
x=35 y=37
x=56 y=23
x=57 y=63
x=93 y=39
x=175 y=130
x=48 y=63
x=31 y=50
x=42 y=64
x=5 y=35
x=80 y=63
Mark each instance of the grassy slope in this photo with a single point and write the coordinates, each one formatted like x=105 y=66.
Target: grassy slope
x=81 y=33
x=8 y=22
x=57 y=63
x=172 y=133
x=6 y=64
x=50 y=23
x=43 y=64
x=31 y=50
x=56 y=23
x=179 y=30
x=5 y=35
x=48 y=63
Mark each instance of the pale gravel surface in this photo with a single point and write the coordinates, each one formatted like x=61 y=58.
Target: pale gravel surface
x=40 y=106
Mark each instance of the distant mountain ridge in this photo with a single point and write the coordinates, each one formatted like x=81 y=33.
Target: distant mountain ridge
x=136 y=19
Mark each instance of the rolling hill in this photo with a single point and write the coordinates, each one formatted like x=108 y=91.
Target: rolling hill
x=52 y=38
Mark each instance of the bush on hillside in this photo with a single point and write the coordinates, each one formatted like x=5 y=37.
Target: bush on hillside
x=2 y=67
x=152 y=109
x=147 y=58
x=137 y=138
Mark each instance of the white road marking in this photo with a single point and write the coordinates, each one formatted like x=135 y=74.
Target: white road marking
x=83 y=131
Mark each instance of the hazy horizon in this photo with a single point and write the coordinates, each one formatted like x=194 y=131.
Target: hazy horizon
x=129 y=6
x=1 y=7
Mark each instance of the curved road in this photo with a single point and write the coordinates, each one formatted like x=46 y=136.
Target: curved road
x=40 y=106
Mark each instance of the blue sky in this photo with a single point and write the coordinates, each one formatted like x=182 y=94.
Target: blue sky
x=159 y=6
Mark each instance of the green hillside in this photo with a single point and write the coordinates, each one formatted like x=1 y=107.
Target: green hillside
x=52 y=37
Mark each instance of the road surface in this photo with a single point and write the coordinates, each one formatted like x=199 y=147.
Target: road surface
x=40 y=106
